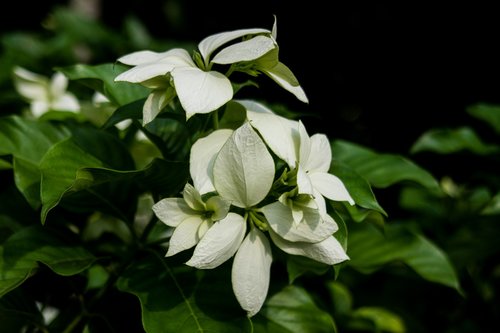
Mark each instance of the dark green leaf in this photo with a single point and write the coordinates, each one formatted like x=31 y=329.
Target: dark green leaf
x=448 y=141
x=18 y=309
x=488 y=112
x=358 y=187
x=381 y=170
x=175 y=299
x=102 y=78
x=87 y=148
x=370 y=249
x=293 y=310
x=22 y=252
x=380 y=320
x=27 y=141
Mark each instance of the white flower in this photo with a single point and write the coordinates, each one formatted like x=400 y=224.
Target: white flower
x=199 y=88
x=241 y=169
x=45 y=94
x=315 y=157
x=190 y=216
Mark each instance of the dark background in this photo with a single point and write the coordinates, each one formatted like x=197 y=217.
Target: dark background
x=377 y=74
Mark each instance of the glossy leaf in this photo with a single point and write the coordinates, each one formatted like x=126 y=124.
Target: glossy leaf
x=87 y=148
x=175 y=299
x=370 y=250
x=358 y=187
x=381 y=170
x=292 y=309
x=448 y=141
x=22 y=252
x=489 y=113
x=102 y=78
x=27 y=141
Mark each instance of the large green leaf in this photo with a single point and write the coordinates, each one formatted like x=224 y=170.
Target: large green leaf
x=87 y=147
x=175 y=299
x=102 y=78
x=490 y=113
x=381 y=170
x=370 y=249
x=21 y=253
x=292 y=310
x=358 y=187
x=448 y=141
x=27 y=141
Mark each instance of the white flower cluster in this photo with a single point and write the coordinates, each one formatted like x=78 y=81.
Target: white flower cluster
x=236 y=169
x=237 y=198
x=201 y=89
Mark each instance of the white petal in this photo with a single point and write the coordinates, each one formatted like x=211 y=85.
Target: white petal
x=145 y=72
x=304 y=182
x=278 y=132
x=30 y=85
x=157 y=100
x=145 y=57
x=312 y=229
x=305 y=146
x=201 y=160
x=220 y=242
x=247 y=50
x=251 y=271
x=328 y=251
x=141 y=57
x=172 y=211
x=213 y=42
x=199 y=91
x=185 y=236
x=281 y=75
x=274 y=31
x=218 y=206
x=320 y=156
x=66 y=102
x=193 y=198
x=39 y=107
x=244 y=168
x=330 y=186
x=58 y=84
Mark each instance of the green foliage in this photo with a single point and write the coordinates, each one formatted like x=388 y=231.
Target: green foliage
x=78 y=236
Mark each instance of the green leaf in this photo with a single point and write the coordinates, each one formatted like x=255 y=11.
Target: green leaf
x=381 y=170
x=18 y=309
x=175 y=299
x=87 y=148
x=358 y=187
x=493 y=206
x=382 y=320
x=161 y=176
x=291 y=310
x=448 y=141
x=27 y=141
x=101 y=78
x=22 y=252
x=490 y=113
x=131 y=110
x=370 y=249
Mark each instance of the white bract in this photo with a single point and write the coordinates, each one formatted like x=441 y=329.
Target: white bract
x=201 y=89
x=190 y=216
x=237 y=166
x=44 y=94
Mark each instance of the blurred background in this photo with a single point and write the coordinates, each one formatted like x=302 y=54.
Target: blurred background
x=375 y=73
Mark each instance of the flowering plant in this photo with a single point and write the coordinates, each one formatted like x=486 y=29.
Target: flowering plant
x=149 y=183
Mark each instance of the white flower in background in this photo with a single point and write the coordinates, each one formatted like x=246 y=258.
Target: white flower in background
x=190 y=216
x=44 y=94
x=201 y=89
